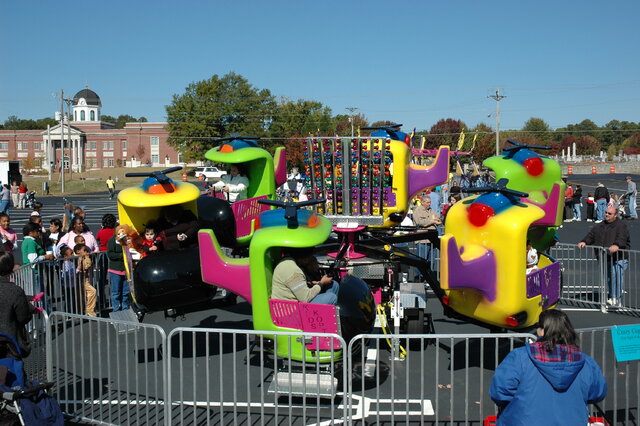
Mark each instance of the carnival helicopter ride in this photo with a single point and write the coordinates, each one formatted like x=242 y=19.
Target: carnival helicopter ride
x=368 y=183
x=172 y=279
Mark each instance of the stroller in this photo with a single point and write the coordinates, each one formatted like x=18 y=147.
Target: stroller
x=23 y=401
x=30 y=200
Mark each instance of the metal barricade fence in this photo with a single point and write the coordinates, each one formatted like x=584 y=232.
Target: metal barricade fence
x=64 y=284
x=35 y=366
x=440 y=378
x=621 y=405
x=107 y=371
x=220 y=376
x=588 y=272
x=626 y=270
x=583 y=272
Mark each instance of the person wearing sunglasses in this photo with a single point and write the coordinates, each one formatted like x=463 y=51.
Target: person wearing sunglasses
x=613 y=236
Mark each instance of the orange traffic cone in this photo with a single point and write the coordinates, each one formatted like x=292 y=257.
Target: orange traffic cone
x=184 y=177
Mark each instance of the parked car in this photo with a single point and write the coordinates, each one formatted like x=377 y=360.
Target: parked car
x=210 y=172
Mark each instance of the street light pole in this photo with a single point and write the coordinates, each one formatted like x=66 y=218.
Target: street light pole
x=352 y=117
x=62 y=140
x=497 y=97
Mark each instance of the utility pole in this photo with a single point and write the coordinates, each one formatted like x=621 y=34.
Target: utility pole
x=352 y=117
x=62 y=139
x=497 y=97
x=71 y=151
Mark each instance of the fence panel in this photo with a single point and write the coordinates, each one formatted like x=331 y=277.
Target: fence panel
x=625 y=272
x=64 y=286
x=219 y=376
x=583 y=275
x=441 y=378
x=623 y=378
x=107 y=371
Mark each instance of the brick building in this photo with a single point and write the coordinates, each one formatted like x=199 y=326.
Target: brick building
x=89 y=142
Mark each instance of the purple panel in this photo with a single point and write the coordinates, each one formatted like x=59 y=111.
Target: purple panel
x=389 y=197
x=365 y=200
x=478 y=274
x=550 y=208
x=355 y=201
x=376 y=201
x=438 y=173
x=545 y=282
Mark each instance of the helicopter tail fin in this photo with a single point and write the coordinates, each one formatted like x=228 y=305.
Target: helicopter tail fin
x=425 y=177
x=280 y=165
x=218 y=269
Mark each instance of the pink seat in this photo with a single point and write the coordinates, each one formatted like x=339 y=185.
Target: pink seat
x=245 y=211
x=310 y=318
x=321 y=319
x=285 y=313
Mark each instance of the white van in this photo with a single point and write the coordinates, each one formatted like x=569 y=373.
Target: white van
x=209 y=172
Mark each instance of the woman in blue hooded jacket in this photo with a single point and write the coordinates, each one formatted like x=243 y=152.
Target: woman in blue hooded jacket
x=550 y=381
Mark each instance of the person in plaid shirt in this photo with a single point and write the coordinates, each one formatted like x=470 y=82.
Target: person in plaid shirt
x=550 y=381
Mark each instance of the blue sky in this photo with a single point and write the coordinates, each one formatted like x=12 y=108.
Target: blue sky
x=413 y=62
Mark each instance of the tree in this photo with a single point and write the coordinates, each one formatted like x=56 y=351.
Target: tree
x=585 y=127
x=301 y=118
x=445 y=132
x=631 y=145
x=588 y=145
x=612 y=151
x=485 y=146
x=217 y=107
x=615 y=132
x=343 y=124
x=28 y=163
x=122 y=120
x=140 y=151
x=538 y=128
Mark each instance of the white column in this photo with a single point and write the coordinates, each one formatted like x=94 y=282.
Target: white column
x=81 y=153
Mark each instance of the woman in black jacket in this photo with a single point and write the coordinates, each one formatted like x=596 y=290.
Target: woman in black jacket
x=15 y=310
x=577 y=203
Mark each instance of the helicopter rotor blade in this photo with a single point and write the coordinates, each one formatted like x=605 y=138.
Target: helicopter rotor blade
x=517 y=145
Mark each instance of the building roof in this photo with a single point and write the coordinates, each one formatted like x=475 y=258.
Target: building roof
x=89 y=95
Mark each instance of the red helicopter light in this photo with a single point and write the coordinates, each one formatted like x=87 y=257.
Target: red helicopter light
x=407 y=140
x=479 y=214
x=534 y=166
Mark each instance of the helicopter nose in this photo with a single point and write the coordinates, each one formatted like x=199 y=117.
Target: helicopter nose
x=479 y=214
x=534 y=166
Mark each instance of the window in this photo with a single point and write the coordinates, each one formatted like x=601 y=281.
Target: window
x=155 y=140
x=91 y=146
x=93 y=116
x=23 y=146
x=107 y=146
x=180 y=159
x=4 y=146
x=36 y=146
x=124 y=145
x=107 y=162
x=155 y=159
x=81 y=115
